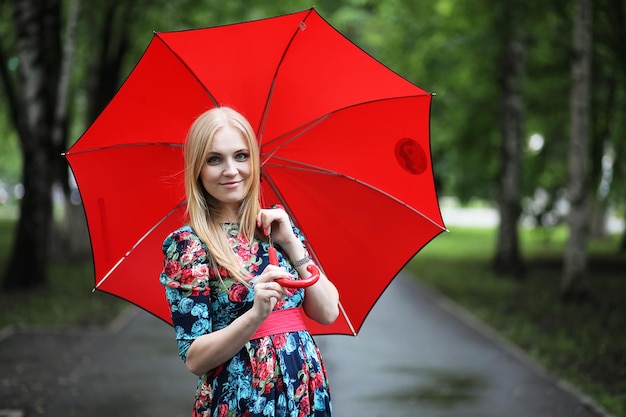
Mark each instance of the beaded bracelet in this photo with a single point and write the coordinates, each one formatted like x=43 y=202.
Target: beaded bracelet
x=302 y=261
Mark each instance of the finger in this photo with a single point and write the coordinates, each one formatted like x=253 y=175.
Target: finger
x=273 y=287
x=262 y=222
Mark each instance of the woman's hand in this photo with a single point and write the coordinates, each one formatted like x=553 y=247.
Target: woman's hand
x=267 y=292
x=276 y=222
x=213 y=349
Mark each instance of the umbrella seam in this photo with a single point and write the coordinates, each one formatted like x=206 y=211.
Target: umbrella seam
x=301 y=27
x=124 y=145
x=305 y=127
x=193 y=74
x=318 y=170
x=141 y=239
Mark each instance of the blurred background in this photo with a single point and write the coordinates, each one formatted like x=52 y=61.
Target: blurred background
x=528 y=143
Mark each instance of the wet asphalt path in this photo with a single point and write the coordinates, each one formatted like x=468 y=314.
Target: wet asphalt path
x=419 y=355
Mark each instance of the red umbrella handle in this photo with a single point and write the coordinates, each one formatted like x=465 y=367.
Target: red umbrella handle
x=291 y=283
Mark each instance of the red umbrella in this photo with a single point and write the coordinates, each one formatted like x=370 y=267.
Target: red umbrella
x=344 y=147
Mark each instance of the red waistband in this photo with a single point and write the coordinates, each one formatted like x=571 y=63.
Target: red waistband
x=281 y=321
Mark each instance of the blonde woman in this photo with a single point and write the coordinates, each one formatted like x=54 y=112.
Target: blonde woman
x=237 y=328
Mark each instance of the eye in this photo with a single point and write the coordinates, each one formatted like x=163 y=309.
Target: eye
x=212 y=160
x=242 y=156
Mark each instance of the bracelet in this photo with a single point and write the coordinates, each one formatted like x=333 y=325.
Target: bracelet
x=302 y=261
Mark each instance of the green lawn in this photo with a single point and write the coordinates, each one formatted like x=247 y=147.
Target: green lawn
x=584 y=343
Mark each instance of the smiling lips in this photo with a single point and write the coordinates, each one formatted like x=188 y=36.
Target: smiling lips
x=231 y=184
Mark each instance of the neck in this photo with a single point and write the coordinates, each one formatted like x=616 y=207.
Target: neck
x=228 y=215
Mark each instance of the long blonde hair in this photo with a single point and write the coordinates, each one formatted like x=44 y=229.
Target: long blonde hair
x=203 y=209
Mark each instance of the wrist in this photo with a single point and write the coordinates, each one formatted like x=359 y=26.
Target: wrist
x=294 y=250
x=301 y=261
x=253 y=317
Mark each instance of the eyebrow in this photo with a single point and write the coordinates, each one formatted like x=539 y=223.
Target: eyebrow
x=220 y=153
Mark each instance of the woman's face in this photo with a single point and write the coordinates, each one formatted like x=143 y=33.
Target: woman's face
x=226 y=170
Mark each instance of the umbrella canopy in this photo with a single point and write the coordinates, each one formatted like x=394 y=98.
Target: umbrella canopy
x=344 y=147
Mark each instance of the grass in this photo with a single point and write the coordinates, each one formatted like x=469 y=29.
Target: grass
x=581 y=342
x=67 y=301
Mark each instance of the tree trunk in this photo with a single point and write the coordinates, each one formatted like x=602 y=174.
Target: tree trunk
x=575 y=258
x=512 y=69
x=114 y=43
x=598 y=215
x=71 y=231
x=35 y=23
x=622 y=245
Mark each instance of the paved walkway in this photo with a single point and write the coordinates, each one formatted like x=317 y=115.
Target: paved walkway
x=417 y=355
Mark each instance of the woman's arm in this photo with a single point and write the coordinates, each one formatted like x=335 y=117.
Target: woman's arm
x=185 y=269
x=213 y=349
x=321 y=302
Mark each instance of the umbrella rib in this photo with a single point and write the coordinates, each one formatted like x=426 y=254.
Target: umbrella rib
x=310 y=249
x=301 y=27
x=124 y=145
x=303 y=128
x=345 y=316
x=193 y=74
x=319 y=170
x=141 y=239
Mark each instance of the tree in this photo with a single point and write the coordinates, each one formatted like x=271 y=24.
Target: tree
x=33 y=108
x=575 y=257
x=609 y=105
x=511 y=80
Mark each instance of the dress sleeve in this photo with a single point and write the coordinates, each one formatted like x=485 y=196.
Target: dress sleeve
x=185 y=277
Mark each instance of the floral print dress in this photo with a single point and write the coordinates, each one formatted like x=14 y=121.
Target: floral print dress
x=278 y=375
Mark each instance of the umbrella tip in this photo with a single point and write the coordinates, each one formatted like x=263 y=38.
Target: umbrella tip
x=93 y=289
x=433 y=94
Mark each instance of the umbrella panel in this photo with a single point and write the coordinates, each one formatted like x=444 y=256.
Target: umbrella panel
x=132 y=190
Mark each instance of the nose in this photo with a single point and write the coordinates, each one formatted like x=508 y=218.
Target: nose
x=230 y=168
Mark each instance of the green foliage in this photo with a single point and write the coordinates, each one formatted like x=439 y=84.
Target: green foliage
x=582 y=342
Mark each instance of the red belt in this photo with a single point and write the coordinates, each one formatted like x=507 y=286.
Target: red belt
x=281 y=321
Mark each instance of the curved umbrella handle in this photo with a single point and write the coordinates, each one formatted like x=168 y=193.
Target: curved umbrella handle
x=292 y=283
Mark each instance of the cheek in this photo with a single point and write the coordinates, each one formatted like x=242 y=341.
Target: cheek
x=207 y=175
x=245 y=171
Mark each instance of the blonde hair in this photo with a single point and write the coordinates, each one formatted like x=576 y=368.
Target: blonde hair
x=203 y=209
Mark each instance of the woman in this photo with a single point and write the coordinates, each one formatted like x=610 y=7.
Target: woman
x=221 y=287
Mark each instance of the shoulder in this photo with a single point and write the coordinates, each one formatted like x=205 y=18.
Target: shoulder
x=184 y=256
x=183 y=239
x=181 y=234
